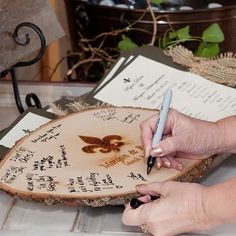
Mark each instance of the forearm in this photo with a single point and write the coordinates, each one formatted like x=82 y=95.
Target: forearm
x=227 y=134
x=219 y=203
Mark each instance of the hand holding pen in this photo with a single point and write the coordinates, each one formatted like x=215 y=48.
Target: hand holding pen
x=160 y=125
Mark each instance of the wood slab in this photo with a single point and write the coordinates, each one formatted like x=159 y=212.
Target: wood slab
x=92 y=157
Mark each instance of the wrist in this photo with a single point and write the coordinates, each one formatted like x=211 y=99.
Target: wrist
x=214 y=141
x=206 y=217
x=201 y=217
x=212 y=207
x=226 y=135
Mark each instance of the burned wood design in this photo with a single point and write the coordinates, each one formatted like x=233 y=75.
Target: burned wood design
x=104 y=145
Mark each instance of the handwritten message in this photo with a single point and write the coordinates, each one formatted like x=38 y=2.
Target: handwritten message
x=11 y=174
x=22 y=155
x=94 y=182
x=112 y=114
x=50 y=134
x=52 y=161
x=40 y=182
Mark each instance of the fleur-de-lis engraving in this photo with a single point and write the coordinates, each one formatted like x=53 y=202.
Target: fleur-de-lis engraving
x=104 y=145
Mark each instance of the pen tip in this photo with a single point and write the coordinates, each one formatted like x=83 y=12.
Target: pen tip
x=148 y=170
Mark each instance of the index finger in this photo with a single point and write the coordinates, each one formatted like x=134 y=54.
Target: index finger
x=147 y=128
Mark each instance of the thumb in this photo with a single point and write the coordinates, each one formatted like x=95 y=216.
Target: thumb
x=168 y=146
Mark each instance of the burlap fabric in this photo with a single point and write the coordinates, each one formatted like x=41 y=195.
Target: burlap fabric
x=221 y=69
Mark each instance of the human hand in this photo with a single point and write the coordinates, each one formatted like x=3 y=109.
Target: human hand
x=184 y=137
x=180 y=209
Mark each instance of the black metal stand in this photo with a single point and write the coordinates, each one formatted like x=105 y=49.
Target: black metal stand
x=31 y=99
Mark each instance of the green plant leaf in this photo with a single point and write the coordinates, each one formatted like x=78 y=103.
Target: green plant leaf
x=183 y=33
x=172 y=35
x=126 y=44
x=213 y=34
x=207 y=50
x=166 y=42
x=156 y=2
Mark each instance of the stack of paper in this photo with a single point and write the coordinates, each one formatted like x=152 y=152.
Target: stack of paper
x=140 y=78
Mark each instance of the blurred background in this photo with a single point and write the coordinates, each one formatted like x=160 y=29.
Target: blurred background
x=81 y=19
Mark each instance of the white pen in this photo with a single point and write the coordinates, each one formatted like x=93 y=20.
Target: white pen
x=160 y=126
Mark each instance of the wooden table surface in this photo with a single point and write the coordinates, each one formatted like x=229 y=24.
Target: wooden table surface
x=22 y=218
